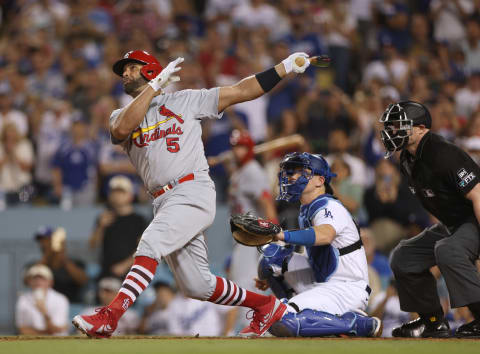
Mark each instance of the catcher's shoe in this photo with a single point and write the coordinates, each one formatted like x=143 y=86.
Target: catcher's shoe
x=423 y=328
x=264 y=318
x=100 y=325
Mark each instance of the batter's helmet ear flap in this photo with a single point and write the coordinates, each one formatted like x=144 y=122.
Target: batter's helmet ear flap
x=150 y=71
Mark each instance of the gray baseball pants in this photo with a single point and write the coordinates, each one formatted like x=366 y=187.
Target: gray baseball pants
x=175 y=234
x=454 y=253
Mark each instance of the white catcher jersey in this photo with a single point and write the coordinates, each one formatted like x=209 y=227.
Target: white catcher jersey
x=168 y=142
x=328 y=210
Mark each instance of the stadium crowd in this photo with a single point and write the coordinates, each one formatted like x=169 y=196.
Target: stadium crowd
x=57 y=91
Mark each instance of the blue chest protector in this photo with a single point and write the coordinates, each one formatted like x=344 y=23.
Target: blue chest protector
x=322 y=259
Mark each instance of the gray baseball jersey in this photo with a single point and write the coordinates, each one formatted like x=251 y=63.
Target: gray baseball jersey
x=167 y=145
x=247 y=185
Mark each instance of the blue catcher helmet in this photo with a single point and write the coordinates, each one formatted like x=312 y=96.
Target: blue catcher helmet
x=310 y=164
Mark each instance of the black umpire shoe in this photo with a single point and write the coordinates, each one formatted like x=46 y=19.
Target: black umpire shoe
x=469 y=330
x=422 y=328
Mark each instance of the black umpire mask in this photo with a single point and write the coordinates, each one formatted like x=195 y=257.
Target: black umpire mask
x=398 y=121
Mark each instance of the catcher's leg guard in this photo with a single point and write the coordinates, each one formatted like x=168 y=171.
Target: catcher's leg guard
x=311 y=323
x=270 y=267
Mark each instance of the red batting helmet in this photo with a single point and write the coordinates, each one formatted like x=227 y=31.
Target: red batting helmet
x=151 y=66
x=242 y=138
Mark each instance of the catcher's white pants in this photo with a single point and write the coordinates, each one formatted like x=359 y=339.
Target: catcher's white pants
x=335 y=297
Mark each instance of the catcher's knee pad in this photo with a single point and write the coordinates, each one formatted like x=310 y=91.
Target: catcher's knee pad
x=274 y=259
x=311 y=323
x=270 y=268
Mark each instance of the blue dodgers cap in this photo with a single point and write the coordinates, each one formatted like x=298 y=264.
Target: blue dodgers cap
x=43 y=231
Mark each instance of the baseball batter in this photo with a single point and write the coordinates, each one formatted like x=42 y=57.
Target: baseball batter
x=162 y=135
x=330 y=281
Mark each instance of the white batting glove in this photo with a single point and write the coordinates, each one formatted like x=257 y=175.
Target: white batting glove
x=290 y=64
x=166 y=77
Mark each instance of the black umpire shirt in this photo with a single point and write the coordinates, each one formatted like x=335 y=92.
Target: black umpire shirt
x=440 y=175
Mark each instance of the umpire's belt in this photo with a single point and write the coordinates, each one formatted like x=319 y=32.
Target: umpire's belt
x=170 y=185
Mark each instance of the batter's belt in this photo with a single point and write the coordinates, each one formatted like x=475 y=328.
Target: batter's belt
x=170 y=185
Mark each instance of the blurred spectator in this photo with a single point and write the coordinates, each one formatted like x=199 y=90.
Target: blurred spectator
x=338 y=25
x=387 y=197
x=448 y=16
x=467 y=99
x=156 y=317
x=339 y=147
x=255 y=14
x=390 y=199
x=422 y=45
x=391 y=68
x=68 y=274
x=386 y=306
x=8 y=114
x=377 y=261
x=301 y=37
x=16 y=161
x=374 y=280
x=113 y=161
x=349 y=193
x=41 y=310
x=50 y=129
x=322 y=113
x=446 y=122
x=45 y=81
x=471 y=46
x=75 y=168
x=173 y=314
x=107 y=289
x=118 y=229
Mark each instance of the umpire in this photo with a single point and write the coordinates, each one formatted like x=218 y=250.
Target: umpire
x=445 y=179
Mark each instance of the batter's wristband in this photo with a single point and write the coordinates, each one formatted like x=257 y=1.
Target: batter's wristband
x=268 y=79
x=305 y=237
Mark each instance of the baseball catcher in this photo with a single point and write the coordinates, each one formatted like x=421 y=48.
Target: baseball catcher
x=325 y=289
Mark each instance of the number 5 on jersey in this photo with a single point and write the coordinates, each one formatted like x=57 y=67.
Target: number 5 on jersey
x=172 y=144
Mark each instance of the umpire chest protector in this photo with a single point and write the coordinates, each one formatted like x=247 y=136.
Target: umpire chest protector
x=440 y=175
x=323 y=259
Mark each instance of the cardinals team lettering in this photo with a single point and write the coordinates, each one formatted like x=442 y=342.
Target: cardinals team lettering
x=142 y=140
x=141 y=137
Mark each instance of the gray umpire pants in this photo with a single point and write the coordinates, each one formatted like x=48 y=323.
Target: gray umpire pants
x=455 y=254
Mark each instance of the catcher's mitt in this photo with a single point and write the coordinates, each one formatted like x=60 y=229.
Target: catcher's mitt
x=250 y=230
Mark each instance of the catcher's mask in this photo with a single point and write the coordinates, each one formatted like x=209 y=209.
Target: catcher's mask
x=310 y=165
x=398 y=121
x=151 y=66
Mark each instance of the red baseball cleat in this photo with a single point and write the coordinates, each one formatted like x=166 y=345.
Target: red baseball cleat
x=264 y=318
x=100 y=325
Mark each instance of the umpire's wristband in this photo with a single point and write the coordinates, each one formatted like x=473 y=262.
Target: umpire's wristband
x=305 y=237
x=268 y=79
